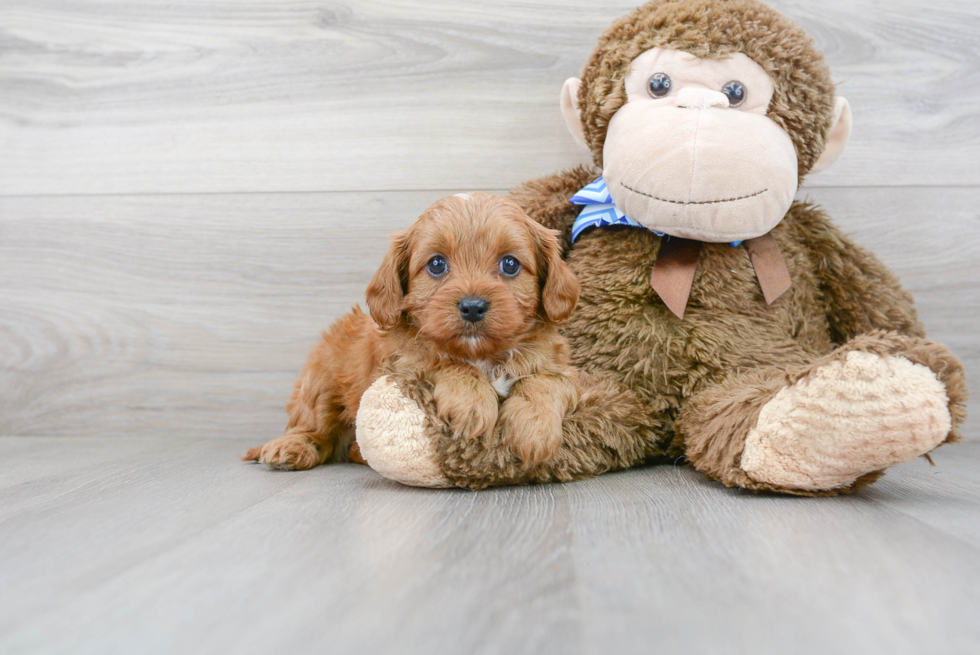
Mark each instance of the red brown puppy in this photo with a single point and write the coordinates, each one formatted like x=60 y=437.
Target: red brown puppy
x=469 y=298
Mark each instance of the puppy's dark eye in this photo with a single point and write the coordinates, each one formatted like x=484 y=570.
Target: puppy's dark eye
x=509 y=266
x=437 y=266
x=736 y=93
x=659 y=85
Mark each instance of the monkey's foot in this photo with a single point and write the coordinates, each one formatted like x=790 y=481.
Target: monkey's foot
x=849 y=417
x=393 y=435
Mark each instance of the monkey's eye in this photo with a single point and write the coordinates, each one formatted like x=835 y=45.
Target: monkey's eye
x=736 y=93
x=659 y=85
x=437 y=266
x=509 y=266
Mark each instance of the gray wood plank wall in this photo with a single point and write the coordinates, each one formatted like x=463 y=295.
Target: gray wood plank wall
x=191 y=190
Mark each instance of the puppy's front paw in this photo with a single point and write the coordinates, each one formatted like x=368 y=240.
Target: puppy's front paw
x=532 y=430
x=470 y=413
x=288 y=452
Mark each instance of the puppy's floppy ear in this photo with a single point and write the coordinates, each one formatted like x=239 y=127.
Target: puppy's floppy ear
x=388 y=286
x=559 y=286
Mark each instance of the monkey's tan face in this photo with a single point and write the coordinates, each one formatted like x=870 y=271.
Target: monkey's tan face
x=692 y=152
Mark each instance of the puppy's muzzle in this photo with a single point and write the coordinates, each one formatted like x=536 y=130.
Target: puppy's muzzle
x=473 y=309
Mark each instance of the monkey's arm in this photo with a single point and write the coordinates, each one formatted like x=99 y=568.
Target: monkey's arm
x=860 y=294
x=402 y=438
x=546 y=199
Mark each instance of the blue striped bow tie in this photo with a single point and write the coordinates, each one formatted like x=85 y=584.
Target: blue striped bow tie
x=599 y=210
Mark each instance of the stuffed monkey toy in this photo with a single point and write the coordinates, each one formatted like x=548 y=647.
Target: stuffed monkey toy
x=719 y=320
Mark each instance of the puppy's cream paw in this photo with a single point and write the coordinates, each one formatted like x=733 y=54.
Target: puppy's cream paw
x=470 y=412
x=847 y=418
x=533 y=431
x=287 y=453
x=392 y=432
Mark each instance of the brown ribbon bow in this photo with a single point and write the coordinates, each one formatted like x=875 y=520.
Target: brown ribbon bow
x=673 y=272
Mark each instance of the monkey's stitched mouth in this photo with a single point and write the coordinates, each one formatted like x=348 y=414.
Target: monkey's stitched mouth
x=691 y=202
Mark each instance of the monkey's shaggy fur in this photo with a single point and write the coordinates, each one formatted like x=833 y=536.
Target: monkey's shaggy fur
x=660 y=387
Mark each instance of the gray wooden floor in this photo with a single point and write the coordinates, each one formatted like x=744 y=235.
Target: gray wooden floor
x=169 y=545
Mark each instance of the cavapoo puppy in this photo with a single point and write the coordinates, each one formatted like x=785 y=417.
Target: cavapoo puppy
x=469 y=296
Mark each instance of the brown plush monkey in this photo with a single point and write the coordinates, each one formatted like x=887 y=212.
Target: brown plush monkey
x=719 y=319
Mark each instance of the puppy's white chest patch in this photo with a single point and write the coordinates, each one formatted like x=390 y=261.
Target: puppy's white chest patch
x=502 y=384
x=501 y=381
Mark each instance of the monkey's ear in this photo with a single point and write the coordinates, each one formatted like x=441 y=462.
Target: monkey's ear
x=387 y=288
x=840 y=133
x=559 y=286
x=569 y=109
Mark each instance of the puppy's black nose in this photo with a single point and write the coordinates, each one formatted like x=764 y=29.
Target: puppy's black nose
x=473 y=309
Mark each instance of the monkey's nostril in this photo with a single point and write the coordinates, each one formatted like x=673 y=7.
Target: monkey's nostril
x=473 y=309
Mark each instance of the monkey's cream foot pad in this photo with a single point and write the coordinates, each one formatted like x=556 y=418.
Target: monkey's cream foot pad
x=847 y=418
x=392 y=436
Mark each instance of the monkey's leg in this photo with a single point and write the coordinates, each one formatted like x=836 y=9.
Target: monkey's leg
x=829 y=426
x=401 y=438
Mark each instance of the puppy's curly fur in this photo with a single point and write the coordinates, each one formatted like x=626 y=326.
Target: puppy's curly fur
x=416 y=324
